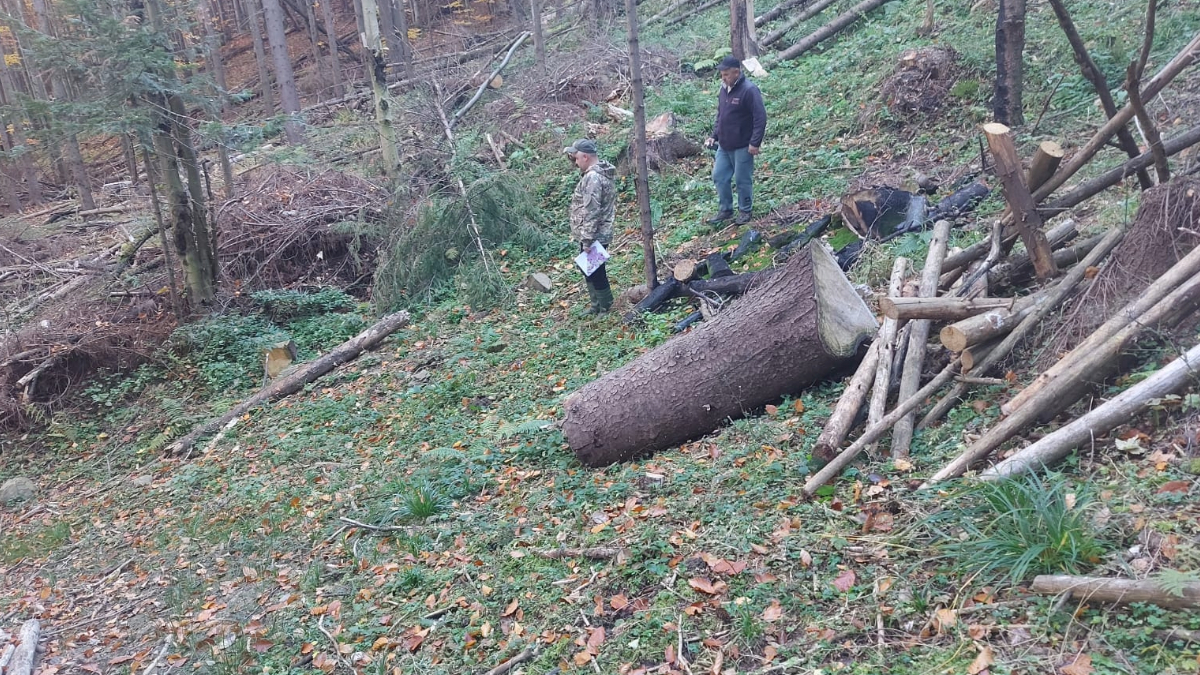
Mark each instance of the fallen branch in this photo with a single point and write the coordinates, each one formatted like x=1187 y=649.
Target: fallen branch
x=839 y=24
x=842 y=419
x=1121 y=591
x=598 y=553
x=285 y=386
x=1170 y=379
x=941 y=309
x=496 y=71
x=699 y=10
x=1020 y=202
x=376 y=528
x=671 y=8
x=776 y=12
x=527 y=654
x=1061 y=392
x=876 y=431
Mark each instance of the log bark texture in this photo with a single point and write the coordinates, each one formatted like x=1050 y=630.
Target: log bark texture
x=887 y=351
x=1170 y=379
x=1122 y=591
x=1044 y=163
x=285 y=386
x=839 y=24
x=1020 y=201
x=914 y=359
x=983 y=327
x=22 y=658
x=941 y=309
x=806 y=321
x=804 y=15
x=1010 y=62
x=842 y=419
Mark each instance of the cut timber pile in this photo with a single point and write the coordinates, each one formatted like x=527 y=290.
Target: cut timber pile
x=806 y=320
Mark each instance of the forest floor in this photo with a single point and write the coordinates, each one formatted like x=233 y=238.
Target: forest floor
x=417 y=511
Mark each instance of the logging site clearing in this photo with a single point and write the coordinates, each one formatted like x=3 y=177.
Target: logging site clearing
x=301 y=377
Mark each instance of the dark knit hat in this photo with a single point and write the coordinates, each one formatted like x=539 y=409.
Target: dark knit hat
x=729 y=62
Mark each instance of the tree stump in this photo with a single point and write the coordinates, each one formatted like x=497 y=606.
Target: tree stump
x=796 y=328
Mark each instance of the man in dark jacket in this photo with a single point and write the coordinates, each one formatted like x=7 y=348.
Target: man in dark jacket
x=737 y=135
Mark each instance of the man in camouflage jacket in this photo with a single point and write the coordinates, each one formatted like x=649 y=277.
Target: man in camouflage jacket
x=593 y=207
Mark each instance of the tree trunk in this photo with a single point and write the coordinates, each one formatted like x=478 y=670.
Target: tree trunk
x=1170 y=379
x=73 y=155
x=387 y=27
x=807 y=321
x=741 y=25
x=1010 y=63
x=539 y=39
x=839 y=24
x=1120 y=591
x=887 y=354
x=288 y=96
x=914 y=359
x=1093 y=74
x=131 y=165
x=290 y=384
x=777 y=11
x=639 y=126
x=315 y=43
x=987 y=325
x=29 y=176
x=400 y=21
x=212 y=57
x=1020 y=201
x=335 y=64
x=266 y=90
x=377 y=74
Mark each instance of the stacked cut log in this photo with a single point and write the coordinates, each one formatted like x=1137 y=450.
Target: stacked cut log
x=981 y=331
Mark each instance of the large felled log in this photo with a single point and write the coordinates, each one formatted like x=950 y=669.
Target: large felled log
x=776 y=12
x=812 y=231
x=957 y=203
x=804 y=15
x=23 y=656
x=285 y=386
x=806 y=320
x=1019 y=273
x=887 y=351
x=914 y=359
x=1122 y=591
x=1170 y=379
x=1020 y=201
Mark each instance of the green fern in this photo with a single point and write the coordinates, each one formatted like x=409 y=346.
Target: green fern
x=1174 y=582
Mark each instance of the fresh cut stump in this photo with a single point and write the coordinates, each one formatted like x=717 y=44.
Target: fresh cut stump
x=795 y=327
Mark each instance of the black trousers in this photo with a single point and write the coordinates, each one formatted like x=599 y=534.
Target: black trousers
x=599 y=279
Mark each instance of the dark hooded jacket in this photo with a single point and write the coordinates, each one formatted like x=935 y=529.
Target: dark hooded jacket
x=741 y=116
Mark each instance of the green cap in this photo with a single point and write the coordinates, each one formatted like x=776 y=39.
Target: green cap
x=588 y=147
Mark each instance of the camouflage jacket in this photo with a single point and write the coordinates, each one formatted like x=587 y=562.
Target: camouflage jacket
x=594 y=204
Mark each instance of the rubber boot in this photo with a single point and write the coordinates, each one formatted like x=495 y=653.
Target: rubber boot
x=603 y=302
x=593 y=301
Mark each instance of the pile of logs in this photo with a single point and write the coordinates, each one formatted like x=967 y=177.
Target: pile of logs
x=979 y=332
x=18 y=652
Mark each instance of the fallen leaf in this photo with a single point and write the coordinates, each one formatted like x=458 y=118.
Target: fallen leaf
x=486 y=629
x=306 y=648
x=765 y=578
x=1174 y=486
x=512 y=607
x=1081 y=665
x=982 y=662
x=773 y=612
x=805 y=558
x=884 y=585
x=263 y=645
x=581 y=659
x=121 y=659
x=798 y=406
x=769 y=653
x=946 y=618
x=771 y=410
x=703 y=585
x=595 y=639
x=844 y=581
x=902 y=464
x=618 y=602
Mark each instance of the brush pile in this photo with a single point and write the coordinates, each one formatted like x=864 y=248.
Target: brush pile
x=300 y=227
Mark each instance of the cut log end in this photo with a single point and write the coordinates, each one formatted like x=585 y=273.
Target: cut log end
x=843 y=319
x=995 y=129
